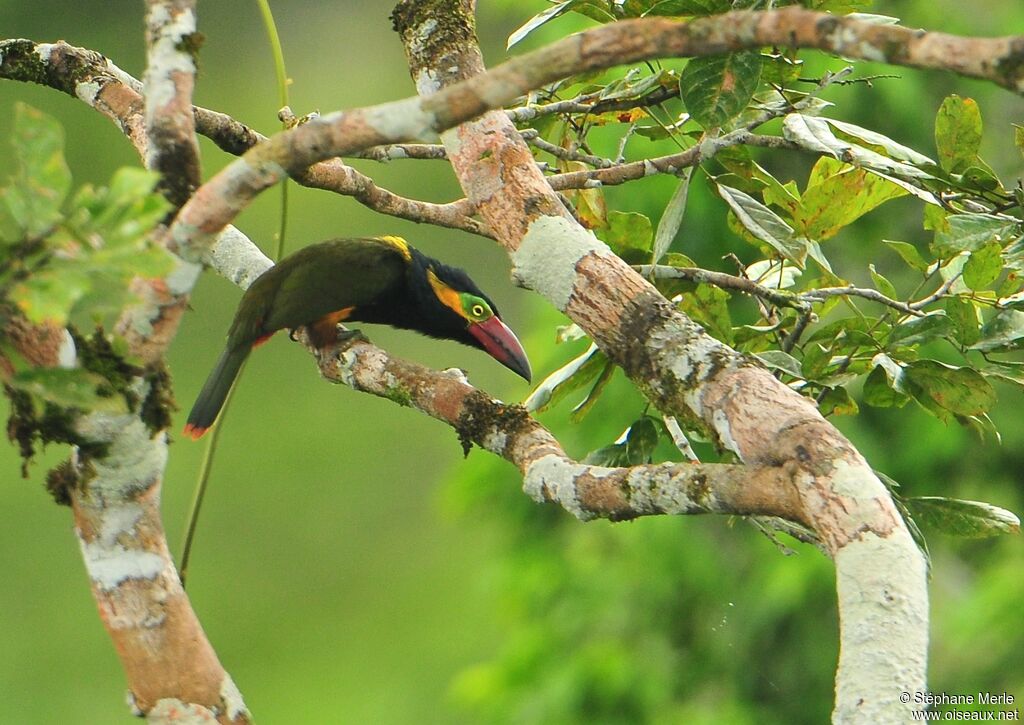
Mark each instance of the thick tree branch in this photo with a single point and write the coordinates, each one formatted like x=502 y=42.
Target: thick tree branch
x=170 y=665
x=167 y=87
x=97 y=81
x=339 y=134
x=681 y=369
x=548 y=473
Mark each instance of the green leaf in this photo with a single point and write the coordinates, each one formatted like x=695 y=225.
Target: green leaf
x=571 y=376
x=960 y=390
x=591 y=208
x=958 y=133
x=538 y=20
x=836 y=329
x=1005 y=371
x=814 y=134
x=74 y=388
x=981 y=177
x=837 y=194
x=42 y=181
x=629 y=234
x=672 y=217
x=984 y=266
x=580 y=411
x=709 y=306
x=780 y=69
x=935 y=219
x=633 y=86
x=1013 y=258
x=783 y=361
x=764 y=224
x=716 y=88
x=773 y=274
x=1018 y=138
x=966 y=323
x=890 y=148
x=908 y=252
x=641 y=442
x=49 y=295
x=956 y=517
x=840 y=7
x=918 y=330
x=837 y=401
x=882 y=284
x=816 y=360
x=883 y=387
x=814 y=252
x=1002 y=332
x=969 y=232
x=635 y=448
x=676 y=8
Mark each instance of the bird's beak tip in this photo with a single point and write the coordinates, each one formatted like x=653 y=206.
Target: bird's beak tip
x=502 y=344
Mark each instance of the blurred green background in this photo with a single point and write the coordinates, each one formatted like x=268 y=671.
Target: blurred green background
x=351 y=566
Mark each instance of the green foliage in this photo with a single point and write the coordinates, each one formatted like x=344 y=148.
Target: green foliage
x=955 y=517
x=69 y=389
x=958 y=133
x=31 y=204
x=764 y=224
x=629 y=234
x=56 y=261
x=837 y=194
x=61 y=258
x=635 y=448
x=930 y=326
x=716 y=88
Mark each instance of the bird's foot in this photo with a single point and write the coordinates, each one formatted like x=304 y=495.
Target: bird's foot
x=348 y=337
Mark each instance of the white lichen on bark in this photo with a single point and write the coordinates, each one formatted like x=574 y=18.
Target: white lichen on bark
x=546 y=258
x=884 y=627
x=553 y=478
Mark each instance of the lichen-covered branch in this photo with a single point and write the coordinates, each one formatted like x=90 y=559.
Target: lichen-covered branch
x=1000 y=60
x=167 y=88
x=549 y=474
x=94 y=79
x=724 y=281
x=682 y=370
x=113 y=478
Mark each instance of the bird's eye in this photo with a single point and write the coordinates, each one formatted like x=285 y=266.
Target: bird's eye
x=477 y=311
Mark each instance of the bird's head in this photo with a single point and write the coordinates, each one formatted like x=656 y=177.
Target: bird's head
x=457 y=309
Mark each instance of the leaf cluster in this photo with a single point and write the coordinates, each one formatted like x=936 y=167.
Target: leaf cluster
x=935 y=321
x=70 y=257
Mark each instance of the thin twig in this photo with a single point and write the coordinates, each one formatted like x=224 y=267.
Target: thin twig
x=868 y=294
x=936 y=295
x=533 y=138
x=724 y=281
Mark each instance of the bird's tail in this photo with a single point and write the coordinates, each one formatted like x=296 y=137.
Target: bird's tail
x=215 y=391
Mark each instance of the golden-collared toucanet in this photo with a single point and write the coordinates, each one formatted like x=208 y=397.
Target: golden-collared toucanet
x=383 y=280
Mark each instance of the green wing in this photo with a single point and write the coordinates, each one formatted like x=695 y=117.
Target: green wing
x=315 y=281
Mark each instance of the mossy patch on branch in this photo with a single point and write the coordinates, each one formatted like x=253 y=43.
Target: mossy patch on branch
x=159 y=403
x=482 y=415
x=60 y=481
x=34 y=421
x=99 y=355
x=28 y=426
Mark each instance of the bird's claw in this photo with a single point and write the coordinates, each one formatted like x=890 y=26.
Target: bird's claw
x=348 y=337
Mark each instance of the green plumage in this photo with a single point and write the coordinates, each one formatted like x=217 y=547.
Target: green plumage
x=381 y=280
x=316 y=281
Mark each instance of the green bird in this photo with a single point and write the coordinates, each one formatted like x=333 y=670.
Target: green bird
x=383 y=280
